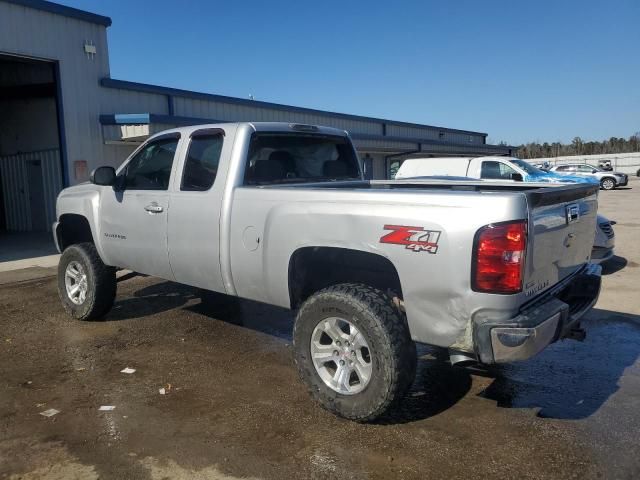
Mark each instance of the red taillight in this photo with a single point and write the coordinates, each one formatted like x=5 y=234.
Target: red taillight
x=499 y=257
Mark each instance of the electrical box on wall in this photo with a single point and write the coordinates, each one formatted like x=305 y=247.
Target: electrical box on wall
x=81 y=170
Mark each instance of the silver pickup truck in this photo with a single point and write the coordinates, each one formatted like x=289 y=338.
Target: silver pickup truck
x=280 y=213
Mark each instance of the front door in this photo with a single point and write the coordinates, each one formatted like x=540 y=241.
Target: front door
x=133 y=218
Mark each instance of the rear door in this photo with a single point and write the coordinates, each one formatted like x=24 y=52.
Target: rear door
x=196 y=200
x=133 y=221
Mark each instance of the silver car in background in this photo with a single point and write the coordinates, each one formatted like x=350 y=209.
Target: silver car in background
x=608 y=179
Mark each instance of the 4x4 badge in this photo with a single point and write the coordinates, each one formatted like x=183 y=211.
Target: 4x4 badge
x=413 y=238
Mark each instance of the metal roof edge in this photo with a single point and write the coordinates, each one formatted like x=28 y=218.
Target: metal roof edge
x=145 y=87
x=427 y=141
x=63 y=10
x=147 y=118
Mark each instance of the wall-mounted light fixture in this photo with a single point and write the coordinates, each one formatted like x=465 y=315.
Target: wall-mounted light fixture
x=89 y=49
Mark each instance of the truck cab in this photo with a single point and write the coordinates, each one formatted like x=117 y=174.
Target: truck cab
x=280 y=213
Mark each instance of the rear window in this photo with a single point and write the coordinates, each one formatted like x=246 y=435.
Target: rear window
x=289 y=158
x=201 y=163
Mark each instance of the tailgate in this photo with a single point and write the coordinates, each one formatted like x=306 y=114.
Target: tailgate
x=562 y=225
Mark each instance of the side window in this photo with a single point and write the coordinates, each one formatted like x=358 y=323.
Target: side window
x=150 y=169
x=392 y=168
x=201 y=163
x=562 y=169
x=496 y=170
x=585 y=169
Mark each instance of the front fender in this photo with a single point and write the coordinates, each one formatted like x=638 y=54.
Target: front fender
x=82 y=200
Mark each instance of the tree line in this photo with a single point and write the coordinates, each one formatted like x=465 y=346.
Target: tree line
x=580 y=147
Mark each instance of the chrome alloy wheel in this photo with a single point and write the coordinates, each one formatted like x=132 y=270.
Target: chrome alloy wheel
x=341 y=356
x=608 y=184
x=75 y=281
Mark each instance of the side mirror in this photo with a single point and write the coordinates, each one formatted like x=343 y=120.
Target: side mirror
x=517 y=177
x=103 y=176
x=594 y=171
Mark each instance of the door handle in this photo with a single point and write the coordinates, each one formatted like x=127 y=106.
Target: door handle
x=153 y=207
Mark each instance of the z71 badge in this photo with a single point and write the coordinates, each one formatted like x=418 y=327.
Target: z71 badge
x=413 y=238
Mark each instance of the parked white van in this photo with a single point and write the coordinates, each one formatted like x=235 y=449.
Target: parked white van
x=486 y=168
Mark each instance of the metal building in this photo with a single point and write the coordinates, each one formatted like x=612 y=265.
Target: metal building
x=62 y=115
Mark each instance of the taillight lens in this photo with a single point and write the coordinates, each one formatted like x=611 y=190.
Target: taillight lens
x=499 y=257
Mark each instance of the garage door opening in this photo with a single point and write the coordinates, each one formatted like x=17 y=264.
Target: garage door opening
x=30 y=160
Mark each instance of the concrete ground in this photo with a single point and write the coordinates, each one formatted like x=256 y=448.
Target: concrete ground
x=234 y=407
x=20 y=251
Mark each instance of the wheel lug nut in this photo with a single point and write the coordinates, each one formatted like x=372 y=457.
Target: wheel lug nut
x=335 y=353
x=338 y=343
x=341 y=362
x=353 y=352
x=346 y=343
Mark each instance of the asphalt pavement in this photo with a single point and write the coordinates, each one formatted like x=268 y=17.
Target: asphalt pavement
x=215 y=394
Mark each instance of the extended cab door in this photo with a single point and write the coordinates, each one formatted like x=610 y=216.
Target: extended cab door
x=133 y=218
x=196 y=200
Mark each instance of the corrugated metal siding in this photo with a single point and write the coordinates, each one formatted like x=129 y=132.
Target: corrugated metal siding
x=379 y=167
x=35 y=33
x=15 y=187
x=434 y=134
x=386 y=145
x=199 y=108
x=114 y=100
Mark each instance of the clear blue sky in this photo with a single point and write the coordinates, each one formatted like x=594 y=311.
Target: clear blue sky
x=518 y=70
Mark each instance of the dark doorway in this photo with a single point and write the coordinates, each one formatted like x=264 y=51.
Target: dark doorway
x=36 y=196
x=30 y=153
x=3 y=222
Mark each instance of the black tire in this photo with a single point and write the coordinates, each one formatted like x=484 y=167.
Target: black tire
x=393 y=353
x=100 y=280
x=607 y=183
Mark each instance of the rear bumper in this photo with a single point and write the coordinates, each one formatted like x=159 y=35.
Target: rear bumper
x=600 y=255
x=549 y=318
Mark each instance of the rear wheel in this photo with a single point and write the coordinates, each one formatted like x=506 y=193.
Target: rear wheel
x=608 y=183
x=353 y=350
x=86 y=286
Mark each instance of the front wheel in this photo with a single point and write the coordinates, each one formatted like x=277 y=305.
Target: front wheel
x=86 y=286
x=353 y=350
x=608 y=183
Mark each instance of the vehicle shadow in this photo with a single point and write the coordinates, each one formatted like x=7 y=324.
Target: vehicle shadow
x=613 y=265
x=438 y=386
x=572 y=380
x=151 y=300
x=568 y=380
x=269 y=319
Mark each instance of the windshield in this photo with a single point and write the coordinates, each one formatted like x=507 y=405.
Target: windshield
x=292 y=157
x=527 y=167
